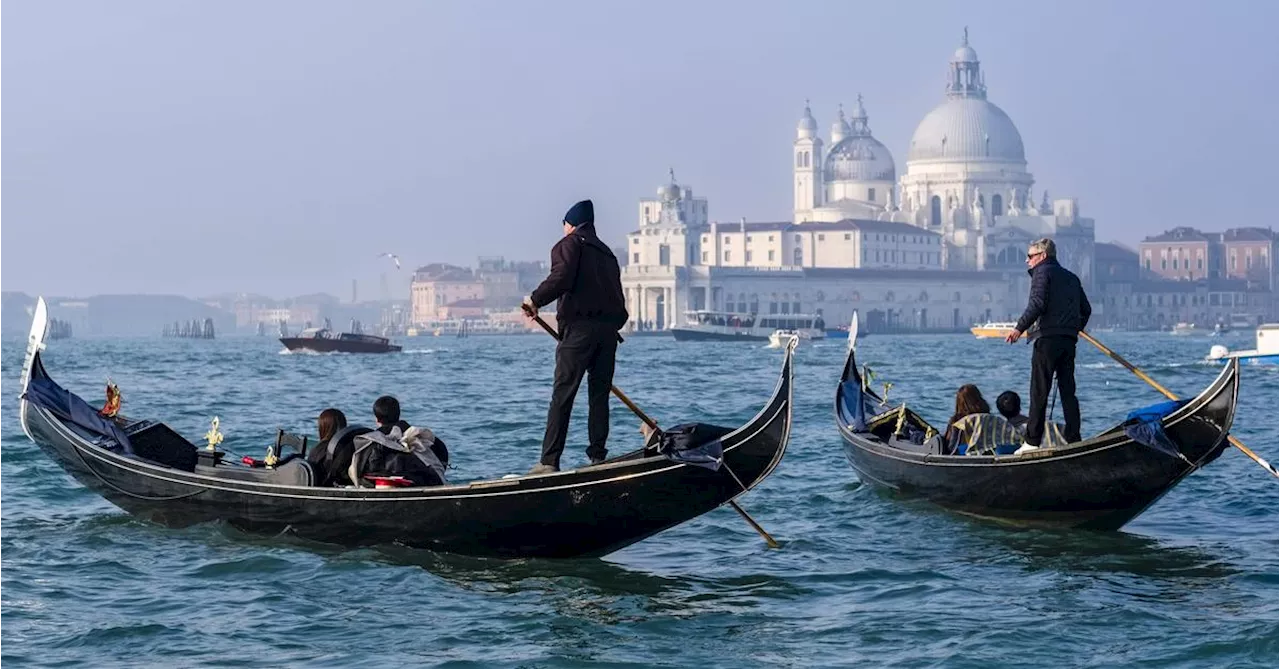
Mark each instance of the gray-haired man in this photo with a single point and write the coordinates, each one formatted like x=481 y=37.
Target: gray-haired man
x=1059 y=310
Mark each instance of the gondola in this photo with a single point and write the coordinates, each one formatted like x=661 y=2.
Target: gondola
x=586 y=512
x=1099 y=483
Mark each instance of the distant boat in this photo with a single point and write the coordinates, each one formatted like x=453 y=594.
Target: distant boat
x=993 y=330
x=728 y=326
x=780 y=338
x=322 y=340
x=1266 y=350
x=1184 y=329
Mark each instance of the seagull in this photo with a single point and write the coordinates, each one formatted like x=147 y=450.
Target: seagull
x=393 y=257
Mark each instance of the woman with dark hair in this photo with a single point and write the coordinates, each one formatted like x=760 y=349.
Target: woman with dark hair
x=968 y=401
x=330 y=470
x=328 y=424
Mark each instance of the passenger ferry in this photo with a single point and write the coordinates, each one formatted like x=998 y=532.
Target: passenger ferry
x=728 y=326
x=993 y=330
x=1266 y=350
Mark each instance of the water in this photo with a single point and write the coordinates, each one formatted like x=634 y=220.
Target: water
x=861 y=579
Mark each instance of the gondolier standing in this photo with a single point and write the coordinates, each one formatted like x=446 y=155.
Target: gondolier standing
x=1059 y=310
x=587 y=281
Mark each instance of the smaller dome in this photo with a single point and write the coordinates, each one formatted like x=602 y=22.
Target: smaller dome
x=965 y=54
x=807 y=127
x=669 y=192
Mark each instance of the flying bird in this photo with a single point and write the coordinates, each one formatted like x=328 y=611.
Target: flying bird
x=393 y=257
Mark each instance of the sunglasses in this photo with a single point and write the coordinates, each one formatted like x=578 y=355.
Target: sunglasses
x=1032 y=255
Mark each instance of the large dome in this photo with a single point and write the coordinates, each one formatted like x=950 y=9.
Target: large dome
x=858 y=158
x=966 y=128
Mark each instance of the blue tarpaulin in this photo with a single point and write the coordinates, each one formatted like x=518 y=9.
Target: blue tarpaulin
x=1146 y=426
x=695 y=444
x=43 y=392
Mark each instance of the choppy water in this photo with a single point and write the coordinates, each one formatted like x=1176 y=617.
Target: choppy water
x=862 y=579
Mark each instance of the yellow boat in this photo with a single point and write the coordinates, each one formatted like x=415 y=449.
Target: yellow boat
x=992 y=330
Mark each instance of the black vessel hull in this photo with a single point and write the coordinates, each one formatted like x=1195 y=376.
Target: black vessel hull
x=1099 y=483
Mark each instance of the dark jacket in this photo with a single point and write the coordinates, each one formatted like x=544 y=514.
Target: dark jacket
x=1058 y=305
x=586 y=279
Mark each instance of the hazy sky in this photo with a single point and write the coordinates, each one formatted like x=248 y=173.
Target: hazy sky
x=279 y=147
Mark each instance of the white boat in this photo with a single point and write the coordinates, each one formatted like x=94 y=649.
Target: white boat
x=1184 y=329
x=993 y=330
x=780 y=338
x=728 y=326
x=1266 y=350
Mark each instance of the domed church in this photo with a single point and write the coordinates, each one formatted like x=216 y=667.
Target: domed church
x=966 y=178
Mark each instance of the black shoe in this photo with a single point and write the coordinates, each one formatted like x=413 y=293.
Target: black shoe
x=598 y=461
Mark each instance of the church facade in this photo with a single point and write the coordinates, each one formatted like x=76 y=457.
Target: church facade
x=936 y=248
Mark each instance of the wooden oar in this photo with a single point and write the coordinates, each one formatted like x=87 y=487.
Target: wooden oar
x=653 y=425
x=1167 y=393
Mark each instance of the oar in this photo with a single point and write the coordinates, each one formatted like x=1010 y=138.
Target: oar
x=1167 y=393
x=653 y=425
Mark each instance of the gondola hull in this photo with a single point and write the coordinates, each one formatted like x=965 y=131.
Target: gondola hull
x=579 y=513
x=1099 y=483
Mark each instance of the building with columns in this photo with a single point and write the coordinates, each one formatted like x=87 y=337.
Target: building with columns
x=938 y=247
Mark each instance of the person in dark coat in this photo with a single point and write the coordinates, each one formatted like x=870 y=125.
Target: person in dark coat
x=386 y=413
x=587 y=281
x=1058 y=309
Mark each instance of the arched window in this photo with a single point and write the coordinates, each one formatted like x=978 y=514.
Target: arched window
x=795 y=304
x=742 y=303
x=799 y=257
x=935 y=210
x=997 y=205
x=755 y=303
x=800 y=159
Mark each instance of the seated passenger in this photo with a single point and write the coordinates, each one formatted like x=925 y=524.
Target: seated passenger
x=331 y=456
x=406 y=456
x=386 y=412
x=968 y=401
x=1010 y=406
x=985 y=434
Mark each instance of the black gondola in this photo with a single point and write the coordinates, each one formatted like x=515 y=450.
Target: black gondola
x=1099 y=483
x=583 y=512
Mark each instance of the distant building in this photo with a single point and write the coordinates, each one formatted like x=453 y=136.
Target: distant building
x=1187 y=254
x=436 y=285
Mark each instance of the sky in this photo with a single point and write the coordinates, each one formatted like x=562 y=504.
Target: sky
x=199 y=148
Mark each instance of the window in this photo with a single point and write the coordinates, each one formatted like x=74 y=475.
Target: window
x=635 y=258
x=800 y=159
x=747 y=256
x=822 y=238
x=664 y=255
x=1164 y=264
x=727 y=239
x=635 y=240
x=797 y=239
x=1199 y=263
x=935 y=210
x=727 y=256
x=848 y=236
x=871 y=195
x=704 y=256
x=786 y=307
x=770 y=255
x=748 y=238
x=770 y=237
x=798 y=257
x=877 y=256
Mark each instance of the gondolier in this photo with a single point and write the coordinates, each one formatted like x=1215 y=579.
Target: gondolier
x=1059 y=310
x=587 y=281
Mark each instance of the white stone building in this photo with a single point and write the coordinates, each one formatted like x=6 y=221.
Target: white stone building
x=939 y=247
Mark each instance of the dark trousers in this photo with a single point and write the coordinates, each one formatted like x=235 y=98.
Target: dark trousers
x=585 y=348
x=1053 y=356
